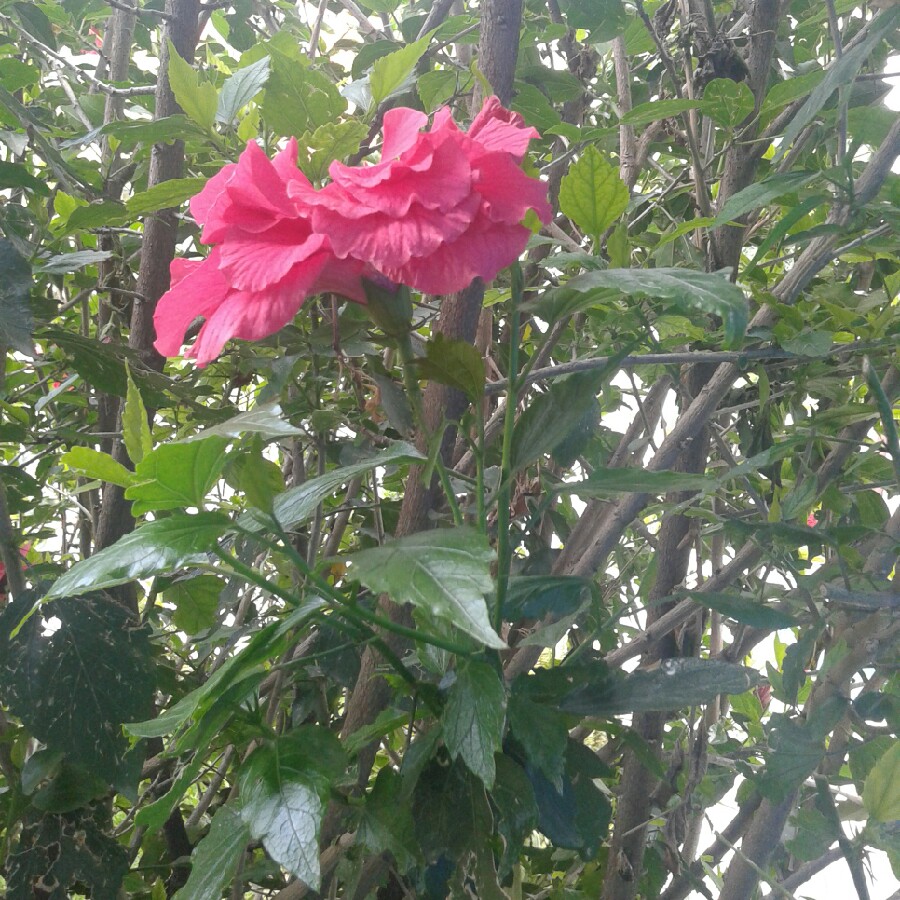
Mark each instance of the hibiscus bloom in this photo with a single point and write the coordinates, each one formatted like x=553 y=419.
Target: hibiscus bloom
x=266 y=261
x=441 y=208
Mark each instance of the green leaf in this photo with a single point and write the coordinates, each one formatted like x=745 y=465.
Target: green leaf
x=446 y=572
x=785 y=92
x=455 y=363
x=684 y=287
x=645 y=113
x=473 y=718
x=387 y=824
x=389 y=72
x=329 y=142
x=676 y=683
x=437 y=87
x=552 y=418
x=216 y=858
x=135 y=424
x=517 y=812
x=543 y=735
x=196 y=96
x=744 y=609
x=15 y=175
x=298 y=505
x=63 y=263
x=299 y=99
x=99 y=214
x=265 y=420
x=533 y=596
x=165 y=195
x=881 y=794
x=175 y=476
x=75 y=688
x=15 y=285
x=762 y=193
x=603 y=18
x=283 y=788
x=240 y=88
x=196 y=602
x=841 y=72
x=815 y=344
x=94 y=464
x=626 y=480
x=157 y=548
x=727 y=102
x=75 y=852
x=591 y=193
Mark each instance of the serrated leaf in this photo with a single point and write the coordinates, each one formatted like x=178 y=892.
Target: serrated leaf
x=197 y=97
x=654 y=110
x=389 y=72
x=809 y=343
x=676 y=683
x=174 y=476
x=215 y=859
x=446 y=572
x=15 y=285
x=240 y=88
x=164 y=195
x=592 y=194
x=727 y=102
x=387 y=822
x=283 y=786
x=741 y=608
x=135 y=423
x=627 y=480
x=881 y=794
x=299 y=99
x=75 y=688
x=686 y=288
x=63 y=263
x=196 y=601
x=329 y=142
x=157 y=548
x=455 y=363
x=94 y=464
x=543 y=735
x=473 y=718
x=298 y=505
x=842 y=71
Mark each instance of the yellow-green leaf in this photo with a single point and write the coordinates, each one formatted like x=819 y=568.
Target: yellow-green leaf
x=198 y=98
x=881 y=794
x=390 y=71
x=135 y=426
x=591 y=194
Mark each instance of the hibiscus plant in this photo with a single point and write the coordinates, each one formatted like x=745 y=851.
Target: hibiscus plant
x=449 y=449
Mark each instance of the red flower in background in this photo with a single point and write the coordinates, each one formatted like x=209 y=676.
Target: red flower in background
x=442 y=207
x=265 y=262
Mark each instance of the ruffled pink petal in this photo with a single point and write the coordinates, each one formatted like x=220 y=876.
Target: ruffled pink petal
x=344 y=277
x=254 y=263
x=197 y=290
x=498 y=129
x=386 y=240
x=203 y=203
x=481 y=252
x=507 y=192
x=401 y=129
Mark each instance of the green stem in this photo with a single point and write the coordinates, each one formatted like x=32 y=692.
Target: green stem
x=414 y=392
x=479 y=473
x=504 y=496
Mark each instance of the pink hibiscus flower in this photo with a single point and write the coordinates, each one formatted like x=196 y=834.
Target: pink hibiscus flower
x=266 y=261
x=442 y=207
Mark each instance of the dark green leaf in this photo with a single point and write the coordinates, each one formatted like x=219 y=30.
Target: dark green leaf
x=644 y=113
x=636 y=481
x=16 y=175
x=266 y=420
x=455 y=363
x=517 y=810
x=674 y=684
x=15 y=285
x=76 y=687
x=473 y=718
x=216 y=858
x=686 y=288
x=64 y=263
x=446 y=572
x=532 y=596
x=70 y=788
x=387 y=822
x=762 y=193
x=164 y=195
x=742 y=608
x=603 y=18
x=157 y=548
x=543 y=735
x=175 y=476
x=196 y=601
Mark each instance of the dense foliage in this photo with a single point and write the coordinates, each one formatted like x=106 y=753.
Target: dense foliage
x=577 y=583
